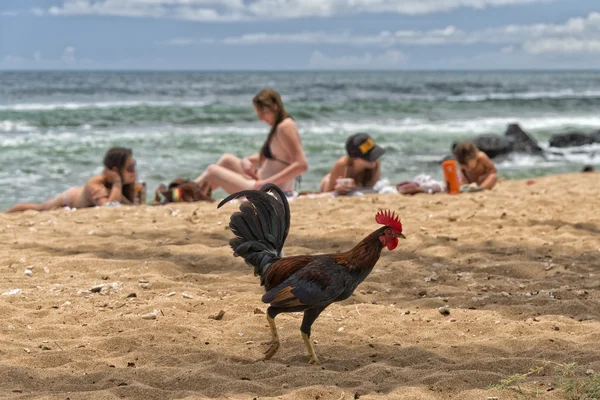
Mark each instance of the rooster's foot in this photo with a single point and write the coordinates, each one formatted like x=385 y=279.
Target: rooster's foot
x=311 y=351
x=272 y=350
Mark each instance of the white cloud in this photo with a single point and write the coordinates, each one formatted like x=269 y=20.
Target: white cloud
x=231 y=10
x=575 y=29
x=384 y=38
x=68 y=55
x=195 y=10
x=38 y=12
x=292 y=38
x=387 y=60
x=576 y=35
x=37 y=56
x=562 y=46
x=183 y=41
x=178 y=42
x=327 y=8
x=12 y=60
x=8 y=13
x=407 y=7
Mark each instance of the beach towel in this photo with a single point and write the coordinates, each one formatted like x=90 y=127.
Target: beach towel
x=420 y=184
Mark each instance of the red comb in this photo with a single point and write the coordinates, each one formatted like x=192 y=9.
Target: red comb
x=389 y=218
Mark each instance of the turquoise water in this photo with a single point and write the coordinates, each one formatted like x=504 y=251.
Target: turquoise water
x=56 y=126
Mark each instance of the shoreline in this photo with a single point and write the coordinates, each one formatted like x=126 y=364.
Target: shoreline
x=220 y=194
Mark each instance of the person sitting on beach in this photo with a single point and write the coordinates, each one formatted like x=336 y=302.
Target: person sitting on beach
x=476 y=167
x=115 y=184
x=359 y=168
x=280 y=160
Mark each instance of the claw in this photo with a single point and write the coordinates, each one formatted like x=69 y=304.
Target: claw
x=271 y=351
x=311 y=351
x=274 y=342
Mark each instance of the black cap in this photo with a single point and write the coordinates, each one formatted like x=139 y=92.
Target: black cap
x=361 y=145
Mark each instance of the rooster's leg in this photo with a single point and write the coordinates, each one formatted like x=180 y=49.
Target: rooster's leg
x=271 y=314
x=309 y=318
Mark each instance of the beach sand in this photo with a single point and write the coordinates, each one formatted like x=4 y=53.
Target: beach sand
x=517 y=268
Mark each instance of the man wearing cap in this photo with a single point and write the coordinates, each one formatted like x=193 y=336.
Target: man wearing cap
x=360 y=168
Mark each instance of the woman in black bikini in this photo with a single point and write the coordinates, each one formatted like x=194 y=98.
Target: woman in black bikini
x=280 y=160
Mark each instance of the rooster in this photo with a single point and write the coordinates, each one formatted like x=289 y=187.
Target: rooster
x=300 y=283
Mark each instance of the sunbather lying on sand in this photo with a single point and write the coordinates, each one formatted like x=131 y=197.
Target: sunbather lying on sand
x=115 y=184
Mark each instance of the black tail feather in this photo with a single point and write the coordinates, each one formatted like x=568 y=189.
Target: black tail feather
x=260 y=227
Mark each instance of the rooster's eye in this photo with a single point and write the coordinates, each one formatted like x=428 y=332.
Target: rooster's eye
x=388 y=231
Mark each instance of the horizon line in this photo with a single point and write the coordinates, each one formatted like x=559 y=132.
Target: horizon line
x=307 y=70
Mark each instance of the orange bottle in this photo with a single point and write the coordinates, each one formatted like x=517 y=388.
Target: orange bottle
x=140 y=193
x=451 y=176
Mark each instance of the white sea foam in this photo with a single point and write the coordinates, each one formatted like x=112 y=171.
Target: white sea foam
x=474 y=97
x=325 y=132
x=473 y=126
x=555 y=158
x=559 y=94
x=15 y=127
x=107 y=104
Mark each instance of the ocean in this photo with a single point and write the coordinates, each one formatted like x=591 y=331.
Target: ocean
x=56 y=126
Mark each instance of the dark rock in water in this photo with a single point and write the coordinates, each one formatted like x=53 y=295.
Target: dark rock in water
x=493 y=145
x=498 y=147
x=570 y=139
x=595 y=136
x=522 y=142
x=574 y=139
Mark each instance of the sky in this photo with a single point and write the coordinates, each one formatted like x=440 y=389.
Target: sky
x=299 y=34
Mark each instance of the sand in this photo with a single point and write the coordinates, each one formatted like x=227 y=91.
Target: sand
x=517 y=268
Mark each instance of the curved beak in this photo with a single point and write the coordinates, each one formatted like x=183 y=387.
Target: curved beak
x=400 y=235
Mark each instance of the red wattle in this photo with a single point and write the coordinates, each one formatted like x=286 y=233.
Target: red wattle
x=392 y=244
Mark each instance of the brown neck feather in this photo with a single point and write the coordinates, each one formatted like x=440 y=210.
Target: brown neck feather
x=365 y=254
